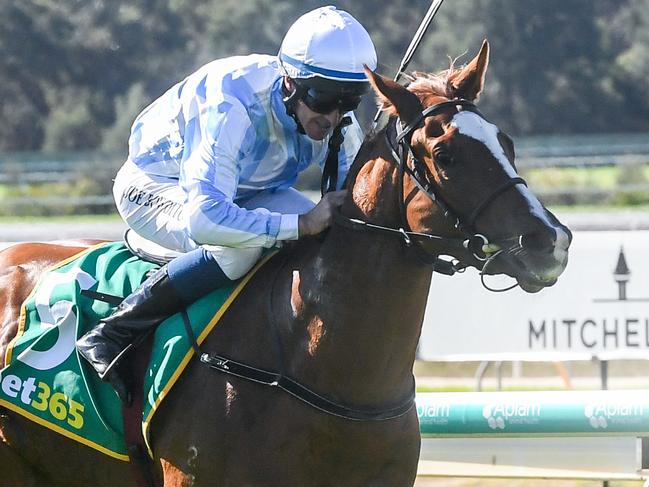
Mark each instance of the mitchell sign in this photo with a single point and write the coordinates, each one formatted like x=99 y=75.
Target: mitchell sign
x=589 y=333
x=599 y=307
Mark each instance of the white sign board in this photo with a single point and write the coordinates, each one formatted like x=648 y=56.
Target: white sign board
x=598 y=308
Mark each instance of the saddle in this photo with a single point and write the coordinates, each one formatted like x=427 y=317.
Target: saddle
x=147 y=250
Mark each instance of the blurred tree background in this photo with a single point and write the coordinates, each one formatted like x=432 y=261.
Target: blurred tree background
x=75 y=73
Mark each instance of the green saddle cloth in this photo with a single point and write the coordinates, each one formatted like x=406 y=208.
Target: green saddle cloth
x=45 y=380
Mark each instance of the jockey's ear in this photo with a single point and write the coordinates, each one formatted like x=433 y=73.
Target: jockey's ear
x=394 y=98
x=469 y=81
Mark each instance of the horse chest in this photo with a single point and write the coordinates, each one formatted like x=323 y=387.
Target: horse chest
x=325 y=452
x=269 y=439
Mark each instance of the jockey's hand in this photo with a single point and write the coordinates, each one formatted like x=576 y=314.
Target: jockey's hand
x=322 y=215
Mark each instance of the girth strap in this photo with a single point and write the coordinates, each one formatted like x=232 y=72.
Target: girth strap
x=297 y=390
x=294 y=388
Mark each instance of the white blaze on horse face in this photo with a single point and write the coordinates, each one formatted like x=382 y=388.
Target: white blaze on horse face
x=473 y=125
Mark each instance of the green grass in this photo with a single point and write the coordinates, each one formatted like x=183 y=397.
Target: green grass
x=445 y=389
x=606 y=177
x=556 y=177
x=624 y=186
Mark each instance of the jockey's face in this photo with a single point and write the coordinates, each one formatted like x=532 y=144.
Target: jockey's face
x=317 y=125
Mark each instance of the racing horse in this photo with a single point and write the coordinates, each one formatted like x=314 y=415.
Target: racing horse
x=346 y=310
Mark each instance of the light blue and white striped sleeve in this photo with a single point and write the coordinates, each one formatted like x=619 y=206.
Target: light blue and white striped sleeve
x=210 y=175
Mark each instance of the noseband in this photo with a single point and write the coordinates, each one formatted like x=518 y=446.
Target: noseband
x=474 y=242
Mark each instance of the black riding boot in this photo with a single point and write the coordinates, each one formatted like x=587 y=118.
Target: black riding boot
x=140 y=312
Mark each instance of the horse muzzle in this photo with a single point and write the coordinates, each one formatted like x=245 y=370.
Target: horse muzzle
x=535 y=260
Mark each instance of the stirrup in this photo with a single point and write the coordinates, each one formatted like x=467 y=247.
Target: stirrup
x=112 y=375
x=120 y=386
x=115 y=362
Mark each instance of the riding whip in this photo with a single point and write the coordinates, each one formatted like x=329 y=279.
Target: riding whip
x=414 y=44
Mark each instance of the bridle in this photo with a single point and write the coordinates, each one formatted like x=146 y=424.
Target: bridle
x=408 y=163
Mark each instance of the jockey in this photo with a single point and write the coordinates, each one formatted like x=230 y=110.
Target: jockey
x=212 y=163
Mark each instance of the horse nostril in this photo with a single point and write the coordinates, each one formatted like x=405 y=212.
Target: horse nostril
x=564 y=235
x=568 y=233
x=539 y=241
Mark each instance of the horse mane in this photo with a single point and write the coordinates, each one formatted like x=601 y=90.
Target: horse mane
x=432 y=85
x=427 y=86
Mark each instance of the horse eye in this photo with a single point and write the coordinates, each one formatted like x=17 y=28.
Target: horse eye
x=443 y=157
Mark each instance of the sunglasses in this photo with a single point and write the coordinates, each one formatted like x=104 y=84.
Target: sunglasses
x=326 y=101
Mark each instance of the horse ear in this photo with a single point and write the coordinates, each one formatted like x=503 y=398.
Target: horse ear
x=394 y=98
x=469 y=81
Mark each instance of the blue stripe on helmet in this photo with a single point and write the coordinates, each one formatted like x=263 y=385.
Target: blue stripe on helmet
x=323 y=71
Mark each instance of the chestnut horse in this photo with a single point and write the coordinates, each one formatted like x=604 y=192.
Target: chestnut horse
x=347 y=309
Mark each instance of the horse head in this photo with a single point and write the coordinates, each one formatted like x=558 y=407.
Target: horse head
x=453 y=176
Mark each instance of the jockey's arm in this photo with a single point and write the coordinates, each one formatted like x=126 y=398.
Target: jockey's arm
x=322 y=215
x=214 y=219
x=209 y=176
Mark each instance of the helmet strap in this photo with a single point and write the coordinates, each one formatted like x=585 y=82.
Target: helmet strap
x=290 y=102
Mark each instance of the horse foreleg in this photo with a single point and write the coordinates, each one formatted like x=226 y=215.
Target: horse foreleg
x=174 y=477
x=14 y=470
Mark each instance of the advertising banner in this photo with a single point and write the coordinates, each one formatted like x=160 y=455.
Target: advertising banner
x=598 y=308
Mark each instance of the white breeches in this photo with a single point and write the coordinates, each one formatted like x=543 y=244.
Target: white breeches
x=153 y=208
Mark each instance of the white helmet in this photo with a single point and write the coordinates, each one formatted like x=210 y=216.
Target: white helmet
x=327 y=43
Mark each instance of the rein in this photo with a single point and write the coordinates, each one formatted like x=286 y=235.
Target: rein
x=473 y=241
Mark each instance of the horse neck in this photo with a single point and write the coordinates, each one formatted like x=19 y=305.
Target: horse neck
x=357 y=301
